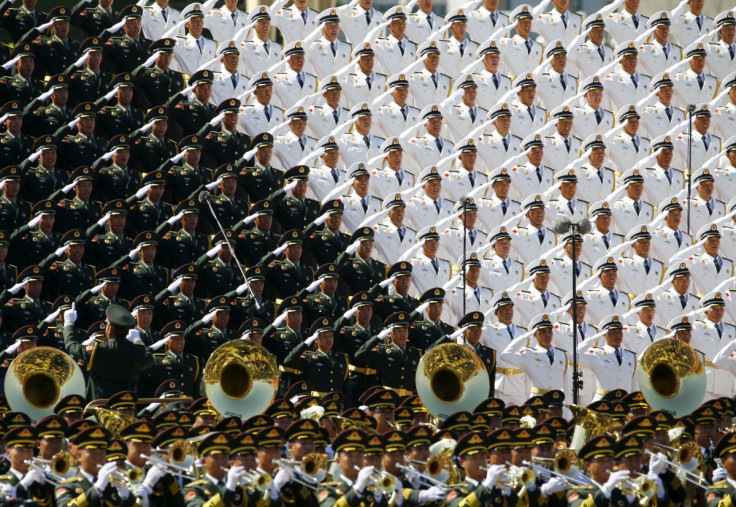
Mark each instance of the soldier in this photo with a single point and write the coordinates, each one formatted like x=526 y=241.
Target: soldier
x=178 y=298
x=142 y=308
x=465 y=116
x=592 y=54
x=463 y=230
x=499 y=142
x=708 y=268
x=229 y=82
x=144 y=274
x=432 y=328
x=40 y=181
x=612 y=366
x=154 y=149
x=148 y=212
x=659 y=54
x=331 y=174
x=703 y=207
x=595 y=181
x=35 y=242
x=29 y=309
x=79 y=212
x=562 y=148
x=327 y=54
x=625 y=85
x=561 y=266
x=155 y=85
x=244 y=307
x=257 y=52
x=428 y=85
x=21 y=85
x=362 y=272
x=14 y=146
x=643 y=332
x=90 y=83
x=225 y=22
x=57 y=52
x=630 y=148
x=19 y=20
x=601 y=238
x=203 y=341
x=640 y=271
x=14 y=212
x=469 y=297
x=186 y=180
x=392 y=236
x=396 y=117
x=396 y=361
x=185 y=245
x=175 y=363
x=189 y=116
x=520 y=54
x=104 y=249
x=220 y=274
x=463 y=178
x=556 y=86
x=159 y=18
x=193 y=51
x=364 y=84
x=500 y=271
x=536 y=299
x=359 y=204
x=323 y=120
x=228 y=209
x=458 y=49
x=710 y=334
x=47 y=119
x=117 y=180
x=669 y=239
x=559 y=23
x=24 y=480
x=661 y=180
x=94 y=20
x=126 y=52
x=360 y=145
x=325 y=303
x=604 y=298
x=627 y=24
x=82 y=148
x=289 y=275
x=428 y=146
x=71 y=275
x=326 y=244
x=694 y=85
x=395 y=51
x=399 y=300
x=428 y=270
x=720 y=51
x=295 y=146
x=430 y=208
x=120 y=118
x=93 y=309
x=261 y=180
x=8 y=272
x=533 y=241
x=704 y=146
x=260 y=115
x=294 y=211
x=255 y=243
x=296 y=21
x=282 y=340
x=491 y=84
x=526 y=116
x=293 y=83
x=592 y=117
x=692 y=24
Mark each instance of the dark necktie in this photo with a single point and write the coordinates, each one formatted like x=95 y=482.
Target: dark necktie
x=528 y=46
x=635 y=81
x=577 y=269
x=709 y=205
x=266 y=47
x=635 y=20
x=429 y=20
x=668 y=110
x=367 y=141
x=232 y=79
x=605 y=241
x=598 y=116
x=706 y=142
x=647 y=266
x=365 y=206
x=506 y=263
x=471 y=110
x=335 y=174
x=199 y=45
x=437 y=205
x=539 y=173
x=334 y=115
x=436 y=265
x=683 y=302
x=368 y=81
x=719 y=328
x=434 y=80
x=731 y=51
x=668 y=173
x=511 y=333
x=540 y=235
x=495 y=80
x=471 y=234
x=477 y=294
x=651 y=333
x=637 y=207
x=601 y=53
x=505 y=144
x=504 y=207
x=401 y=232
x=551 y=356
x=268 y=115
x=399 y=177
x=165 y=15
x=332 y=47
x=233 y=16
x=700 y=81
x=567 y=144
x=666 y=50
x=618 y=356
x=699 y=20
x=571 y=207
x=636 y=143
x=531 y=112
x=438 y=143
x=401 y=47
x=678 y=237
x=404 y=111
x=719 y=264
x=368 y=17
x=462 y=48
x=301 y=145
x=300 y=79
x=545 y=298
x=494 y=17
x=563 y=82
x=304 y=16
x=471 y=177
x=614 y=298
x=581 y=332
x=564 y=19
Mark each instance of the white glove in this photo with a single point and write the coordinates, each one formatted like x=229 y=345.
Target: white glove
x=140 y=491
x=492 y=475
x=13 y=347
x=35 y=220
x=614 y=479
x=364 y=478
x=658 y=481
x=322 y=218
x=387 y=282
x=133 y=336
x=123 y=490
x=554 y=485
x=213 y=251
x=210 y=186
x=134 y=252
x=60 y=251
x=207 y=318
x=143 y=190
x=433 y=494
x=656 y=464
x=719 y=474
x=103 y=476
x=291 y=185
x=309 y=341
x=70 y=315
x=175 y=284
x=52 y=316
x=98 y=288
x=154 y=474
x=7 y=491
x=283 y=477
x=15 y=289
x=241 y=288
x=175 y=218
x=33 y=475
x=102 y=221
x=233 y=477
x=68 y=188
x=352 y=248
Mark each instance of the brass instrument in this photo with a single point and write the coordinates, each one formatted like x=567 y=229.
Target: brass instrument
x=451 y=378
x=383 y=481
x=315 y=465
x=424 y=477
x=672 y=376
x=566 y=463
x=518 y=476
x=688 y=456
x=127 y=476
x=588 y=424
x=261 y=482
x=38 y=378
x=344 y=423
x=189 y=472
x=241 y=379
x=112 y=420
x=640 y=487
x=64 y=464
x=182 y=453
x=683 y=473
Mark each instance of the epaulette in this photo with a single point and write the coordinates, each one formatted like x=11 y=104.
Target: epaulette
x=198 y=482
x=76 y=478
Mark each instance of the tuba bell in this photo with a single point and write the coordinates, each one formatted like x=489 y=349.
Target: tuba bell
x=241 y=379
x=672 y=376
x=38 y=378
x=588 y=424
x=451 y=378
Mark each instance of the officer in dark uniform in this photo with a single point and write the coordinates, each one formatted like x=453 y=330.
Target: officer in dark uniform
x=71 y=275
x=255 y=243
x=144 y=274
x=228 y=208
x=94 y=20
x=18 y=21
x=156 y=84
x=34 y=245
x=21 y=85
x=175 y=363
x=189 y=116
x=92 y=306
x=57 y=52
x=142 y=308
x=289 y=275
x=47 y=119
x=400 y=300
x=350 y=338
x=80 y=211
x=14 y=212
x=51 y=331
x=396 y=361
x=126 y=52
x=184 y=181
x=202 y=341
x=180 y=303
x=325 y=302
x=30 y=309
x=147 y=213
x=362 y=272
x=294 y=211
x=32 y=487
x=155 y=148
x=225 y=145
x=14 y=146
x=282 y=340
x=89 y=83
x=116 y=180
x=82 y=148
x=257 y=176
x=219 y=272
x=120 y=117
x=8 y=272
x=105 y=249
x=185 y=245
x=327 y=243
x=243 y=306
x=325 y=369
x=41 y=180
x=427 y=331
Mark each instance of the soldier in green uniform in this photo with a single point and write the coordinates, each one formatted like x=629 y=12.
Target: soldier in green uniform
x=41 y=180
x=142 y=308
x=150 y=211
x=44 y=120
x=400 y=300
x=178 y=299
x=144 y=274
x=155 y=148
x=120 y=117
x=604 y=484
x=126 y=52
x=362 y=272
x=185 y=245
x=89 y=83
x=30 y=309
x=80 y=211
x=92 y=307
x=723 y=492
x=19 y=20
x=282 y=340
x=185 y=180
x=243 y=306
x=290 y=275
x=14 y=212
x=327 y=243
x=161 y=484
x=105 y=249
x=225 y=144
x=71 y=275
x=325 y=369
x=8 y=272
x=94 y=20
x=219 y=270
x=84 y=147
x=15 y=147
x=202 y=341
x=257 y=176
x=253 y=244
x=325 y=302
x=156 y=84
x=174 y=363
x=31 y=244
x=295 y=211
x=21 y=85
x=229 y=208
x=427 y=331
x=396 y=361
x=29 y=482
x=116 y=180
x=189 y=116
x=58 y=51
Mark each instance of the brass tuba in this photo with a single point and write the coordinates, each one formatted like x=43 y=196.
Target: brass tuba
x=589 y=424
x=451 y=378
x=241 y=379
x=112 y=420
x=672 y=376
x=38 y=378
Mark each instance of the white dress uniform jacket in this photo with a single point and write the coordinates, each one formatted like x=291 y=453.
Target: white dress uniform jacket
x=669 y=306
x=488 y=92
x=389 y=58
x=719 y=62
x=419 y=28
x=625 y=216
x=494 y=273
x=550 y=91
x=321 y=120
x=705 y=275
x=542 y=374
x=516 y=57
x=354 y=22
x=601 y=304
x=525 y=181
x=385 y=182
x=422 y=152
x=389 y=121
x=526 y=245
x=291 y=23
x=222 y=25
x=255 y=59
x=491 y=211
x=560 y=280
x=354 y=214
x=608 y=373
x=622 y=28
x=422 y=212
x=453 y=60
x=551 y=26
x=188 y=57
x=522 y=123
x=699 y=153
x=355 y=88
x=451 y=244
x=665 y=243
x=425 y=277
x=688 y=90
x=619 y=88
x=319 y=58
x=288 y=151
x=723 y=120
x=422 y=90
x=590 y=184
x=223 y=88
x=685 y=29
x=460 y=121
x=595 y=247
x=706 y=339
x=585 y=122
x=655 y=122
x=389 y=245
x=586 y=59
x=655 y=58
x=639 y=336
x=700 y=213
x=286 y=89
x=492 y=150
x=556 y=153
x=482 y=23
x=322 y=181
x=623 y=153
x=353 y=148
x=633 y=276
x=658 y=186
x=154 y=25
x=253 y=120
x=477 y=299
x=510 y=381
x=529 y=303
x=458 y=184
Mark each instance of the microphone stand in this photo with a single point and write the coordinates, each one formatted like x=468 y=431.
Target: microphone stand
x=465 y=241
x=690 y=110
x=577 y=384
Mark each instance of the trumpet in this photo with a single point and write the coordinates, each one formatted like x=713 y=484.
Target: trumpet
x=63 y=464
x=300 y=476
x=425 y=477
x=682 y=472
x=688 y=456
x=261 y=482
x=127 y=476
x=190 y=472
x=640 y=487
x=572 y=479
x=515 y=476
x=384 y=481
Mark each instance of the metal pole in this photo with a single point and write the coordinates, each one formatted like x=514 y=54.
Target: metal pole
x=576 y=382
x=690 y=109
x=465 y=241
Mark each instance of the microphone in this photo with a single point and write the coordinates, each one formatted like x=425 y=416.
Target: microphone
x=691 y=108
x=204 y=195
x=561 y=225
x=583 y=226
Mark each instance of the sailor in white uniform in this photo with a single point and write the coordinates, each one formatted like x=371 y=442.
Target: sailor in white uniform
x=601 y=238
x=464 y=116
x=492 y=85
x=394 y=52
x=532 y=177
x=520 y=53
x=391 y=178
x=296 y=22
x=690 y=25
x=458 y=50
x=640 y=271
x=226 y=21
x=329 y=175
x=500 y=270
x=527 y=117
x=158 y=18
x=393 y=118
x=595 y=181
x=291 y=148
x=724 y=116
x=229 y=82
x=428 y=207
x=670 y=238
x=592 y=117
x=322 y=121
x=566 y=204
x=708 y=267
x=705 y=146
x=561 y=266
x=359 y=145
x=260 y=115
x=661 y=180
x=585 y=59
x=628 y=147
x=562 y=148
x=327 y=54
x=485 y=20
x=293 y=84
x=709 y=335
x=193 y=50
x=604 y=298
x=257 y=52
x=661 y=117
x=497 y=207
x=626 y=25
x=359 y=203
x=476 y=297
x=463 y=177
x=625 y=84
x=558 y=24
x=659 y=54
x=693 y=85
x=631 y=209
x=356 y=20
x=555 y=85
x=534 y=240
x=677 y=299
x=429 y=85
x=722 y=54
x=642 y=333
x=497 y=143
x=393 y=237
x=363 y=84
x=462 y=231
x=428 y=270
x=422 y=23
x=428 y=147
x=703 y=207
